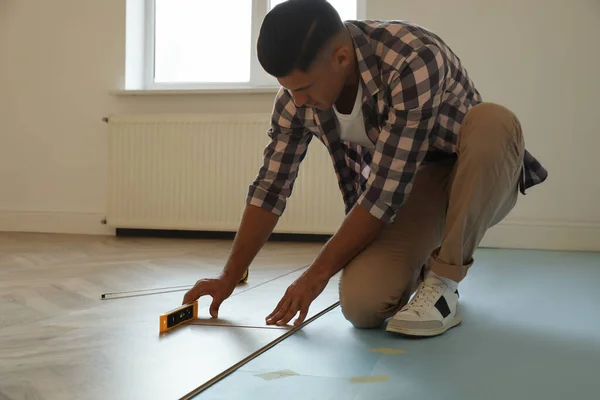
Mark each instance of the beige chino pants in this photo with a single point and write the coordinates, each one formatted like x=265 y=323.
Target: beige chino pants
x=450 y=208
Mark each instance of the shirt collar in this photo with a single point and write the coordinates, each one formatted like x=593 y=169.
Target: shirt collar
x=367 y=61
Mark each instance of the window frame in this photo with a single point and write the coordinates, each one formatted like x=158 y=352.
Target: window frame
x=259 y=79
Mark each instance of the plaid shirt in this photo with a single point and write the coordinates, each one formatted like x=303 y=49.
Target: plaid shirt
x=415 y=96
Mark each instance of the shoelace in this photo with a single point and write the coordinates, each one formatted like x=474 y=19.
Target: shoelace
x=426 y=295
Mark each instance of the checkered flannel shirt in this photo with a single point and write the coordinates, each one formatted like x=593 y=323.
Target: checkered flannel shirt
x=416 y=94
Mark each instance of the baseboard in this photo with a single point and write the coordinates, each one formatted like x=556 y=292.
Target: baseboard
x=226 y=235
x=83 y=223
x=544 y=235
x=539 y=235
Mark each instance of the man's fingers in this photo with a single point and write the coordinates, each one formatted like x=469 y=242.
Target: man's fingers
x=189 y=297
x=302 y=316
x=292 y=310
x=276 y=309
x=280 y=311
x=283 y=300
x=214 y=306
x=201 y=288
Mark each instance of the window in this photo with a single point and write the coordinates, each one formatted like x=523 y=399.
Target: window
x=198 y=44
x=195 y=42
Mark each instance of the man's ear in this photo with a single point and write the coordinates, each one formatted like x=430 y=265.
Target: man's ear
x=338 y=59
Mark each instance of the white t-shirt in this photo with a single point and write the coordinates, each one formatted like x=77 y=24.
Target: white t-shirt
x=352 y=126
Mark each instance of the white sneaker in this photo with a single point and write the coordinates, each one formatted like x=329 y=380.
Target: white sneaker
x=432 y=311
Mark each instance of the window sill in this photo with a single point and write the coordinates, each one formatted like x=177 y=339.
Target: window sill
x=179 y=92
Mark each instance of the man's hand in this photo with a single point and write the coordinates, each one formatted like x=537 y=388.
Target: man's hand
x=357 y=231
x=218 y=288
x=298 y=298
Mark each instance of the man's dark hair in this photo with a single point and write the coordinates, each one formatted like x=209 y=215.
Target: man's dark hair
x=293 y=33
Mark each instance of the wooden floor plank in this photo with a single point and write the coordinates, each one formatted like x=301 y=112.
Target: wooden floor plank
x=59 y=340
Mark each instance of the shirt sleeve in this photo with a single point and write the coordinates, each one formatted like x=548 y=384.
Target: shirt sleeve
x=416 y=94
x=281 y=157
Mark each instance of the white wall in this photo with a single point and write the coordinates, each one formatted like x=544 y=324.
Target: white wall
x=540 y=58
x=59 y=60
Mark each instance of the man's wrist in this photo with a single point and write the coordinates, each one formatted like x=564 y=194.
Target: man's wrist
x=231 y=274
x=357 y=231
x=323 y=269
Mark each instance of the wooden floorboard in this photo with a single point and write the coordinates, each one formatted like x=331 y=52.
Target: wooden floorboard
x=58 y=340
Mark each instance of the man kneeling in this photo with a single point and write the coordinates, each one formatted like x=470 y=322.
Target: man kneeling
x=424 y=166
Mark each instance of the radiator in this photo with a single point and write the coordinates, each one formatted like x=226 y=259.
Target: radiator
x=192 y=172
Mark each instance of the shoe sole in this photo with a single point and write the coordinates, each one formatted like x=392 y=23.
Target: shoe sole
x=457 y=320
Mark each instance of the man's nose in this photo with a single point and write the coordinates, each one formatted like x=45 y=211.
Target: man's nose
x=300 y=99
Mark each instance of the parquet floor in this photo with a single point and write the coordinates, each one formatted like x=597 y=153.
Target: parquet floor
x=58 y=340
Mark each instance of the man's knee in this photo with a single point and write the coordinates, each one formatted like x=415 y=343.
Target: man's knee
x=376 y=283
x=492 y=121
x=365 y=307
x=360 y=311
x=489 y=113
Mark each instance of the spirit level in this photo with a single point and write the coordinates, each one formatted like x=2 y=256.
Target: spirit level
x=178 y=316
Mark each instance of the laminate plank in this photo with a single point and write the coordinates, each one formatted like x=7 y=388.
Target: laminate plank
x=59 y=340
x=136 y=363
x=34 y=272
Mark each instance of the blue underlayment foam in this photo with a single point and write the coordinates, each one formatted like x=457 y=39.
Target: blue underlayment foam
x=531 y=330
